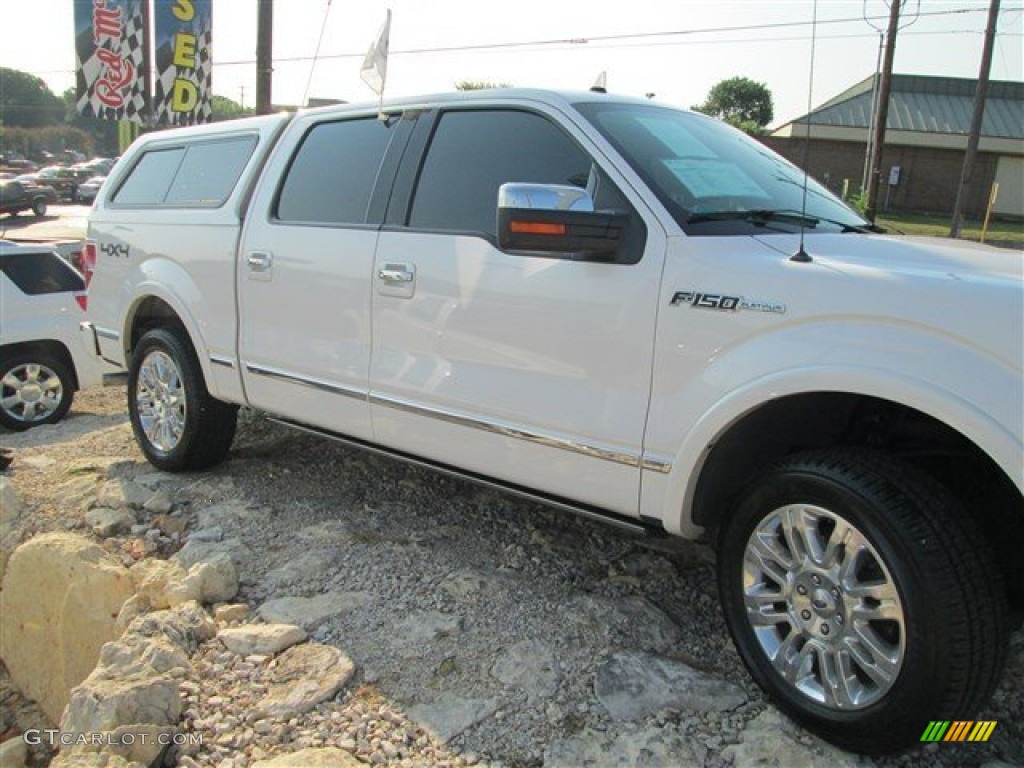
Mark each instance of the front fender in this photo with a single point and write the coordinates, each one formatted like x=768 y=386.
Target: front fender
x=974 y=393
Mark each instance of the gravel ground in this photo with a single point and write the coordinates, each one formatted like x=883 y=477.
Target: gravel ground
x=478 y=623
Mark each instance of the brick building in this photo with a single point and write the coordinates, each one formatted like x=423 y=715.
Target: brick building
x=925 y=141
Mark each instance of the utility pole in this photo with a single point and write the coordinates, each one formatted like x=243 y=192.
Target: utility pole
x=974 y=137
x=264 y=56
x=884 y=85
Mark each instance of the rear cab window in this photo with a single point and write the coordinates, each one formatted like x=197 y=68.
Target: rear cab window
x=199 y=175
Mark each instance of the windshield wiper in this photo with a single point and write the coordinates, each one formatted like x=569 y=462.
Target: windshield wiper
x=765 y=215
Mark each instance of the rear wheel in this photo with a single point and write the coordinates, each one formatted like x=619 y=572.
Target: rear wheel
x=35 y=388
x=39 y=206
x=176 y=421
x=862 y=599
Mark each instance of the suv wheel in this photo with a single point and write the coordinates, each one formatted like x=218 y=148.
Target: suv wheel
x=862 y=599
x=35 y=388
x=39 y=207
x=176 y=421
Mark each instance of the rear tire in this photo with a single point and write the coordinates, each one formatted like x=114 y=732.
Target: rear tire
x=35 y=388
x=39 y=207
x=177 y=423
x=862 y=598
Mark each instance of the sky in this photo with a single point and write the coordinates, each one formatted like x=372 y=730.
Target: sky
x=675 y=49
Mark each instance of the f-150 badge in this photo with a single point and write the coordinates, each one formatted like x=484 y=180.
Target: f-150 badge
x=725 y=303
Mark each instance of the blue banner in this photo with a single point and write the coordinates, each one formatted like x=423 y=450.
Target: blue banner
x=182 y=87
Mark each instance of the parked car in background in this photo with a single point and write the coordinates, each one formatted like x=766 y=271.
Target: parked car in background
x=43 y=356
x=17 y=196
x=87 y=190
x=64 y=181
x=97 y=166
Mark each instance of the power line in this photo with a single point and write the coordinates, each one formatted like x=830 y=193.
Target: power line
x=599 y=42
x=588 y=40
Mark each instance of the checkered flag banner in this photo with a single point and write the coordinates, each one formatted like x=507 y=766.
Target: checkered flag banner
x=110 y=42
x=183 y=83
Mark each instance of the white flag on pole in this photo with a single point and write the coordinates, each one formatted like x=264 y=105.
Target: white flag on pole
x=375 y=65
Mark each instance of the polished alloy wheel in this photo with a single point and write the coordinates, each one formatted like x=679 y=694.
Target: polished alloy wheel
x=823 y=607
x=31 y=392
x=160 y=398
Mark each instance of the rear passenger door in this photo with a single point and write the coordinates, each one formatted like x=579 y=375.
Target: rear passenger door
x=304 y=269
x=532 y=368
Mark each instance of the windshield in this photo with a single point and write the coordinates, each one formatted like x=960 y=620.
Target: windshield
x=714 y=179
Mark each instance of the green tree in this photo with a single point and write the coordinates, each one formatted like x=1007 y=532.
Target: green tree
x=740 y=101
x=226 y=109
x=479 y=85
x=26 y=101
x=103 y=132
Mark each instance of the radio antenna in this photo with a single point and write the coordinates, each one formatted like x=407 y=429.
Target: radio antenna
x=802 y=255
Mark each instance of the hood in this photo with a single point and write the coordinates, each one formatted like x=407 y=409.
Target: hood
x=926 y=257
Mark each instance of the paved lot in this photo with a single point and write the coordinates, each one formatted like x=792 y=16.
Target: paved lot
x=61 y=222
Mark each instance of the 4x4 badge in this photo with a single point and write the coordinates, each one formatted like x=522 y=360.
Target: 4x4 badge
x=725 y=303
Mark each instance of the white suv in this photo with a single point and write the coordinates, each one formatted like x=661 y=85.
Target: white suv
x=44 y=358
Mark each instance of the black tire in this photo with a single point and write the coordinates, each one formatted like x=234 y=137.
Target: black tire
x=36 y=388
x=916 y=542
x=177 y=424
x=39 y=207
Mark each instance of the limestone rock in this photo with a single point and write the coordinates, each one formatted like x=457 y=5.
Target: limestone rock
x=233 y=612
x=768 y=742
x=160 y=503
x=159 y=580
x=423 y=627
x=111 y=700
x=186 y=626
x=311 y=612
x=217 y=578
x=106 y=522
x=450 y=715
x=121 y=494
x=307 y=566
x=13 y=753
x=261 y=639
x=11 y=512
x=658 y=746
x=323 y=757
x=79 y=757
x=60 y=601
x=134 y=606
x=633 y=685
x=530 y=665
x=302 y=677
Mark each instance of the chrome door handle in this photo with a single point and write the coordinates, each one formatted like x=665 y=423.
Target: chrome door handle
x=394 y=273
x=259 y=261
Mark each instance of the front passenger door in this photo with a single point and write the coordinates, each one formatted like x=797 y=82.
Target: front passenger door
x=532 y=368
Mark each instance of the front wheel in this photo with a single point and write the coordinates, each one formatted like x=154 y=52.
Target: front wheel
x=862 y=599
x=177 y=423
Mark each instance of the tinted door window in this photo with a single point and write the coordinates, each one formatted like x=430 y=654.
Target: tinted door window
x=151 y=177
x=210 y=171
x=332 y=175
x=474 y=153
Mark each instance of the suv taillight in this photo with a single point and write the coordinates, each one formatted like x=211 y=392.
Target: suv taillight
x=85 y=260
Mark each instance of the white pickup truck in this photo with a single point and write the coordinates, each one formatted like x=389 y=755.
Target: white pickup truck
x=624 y=309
